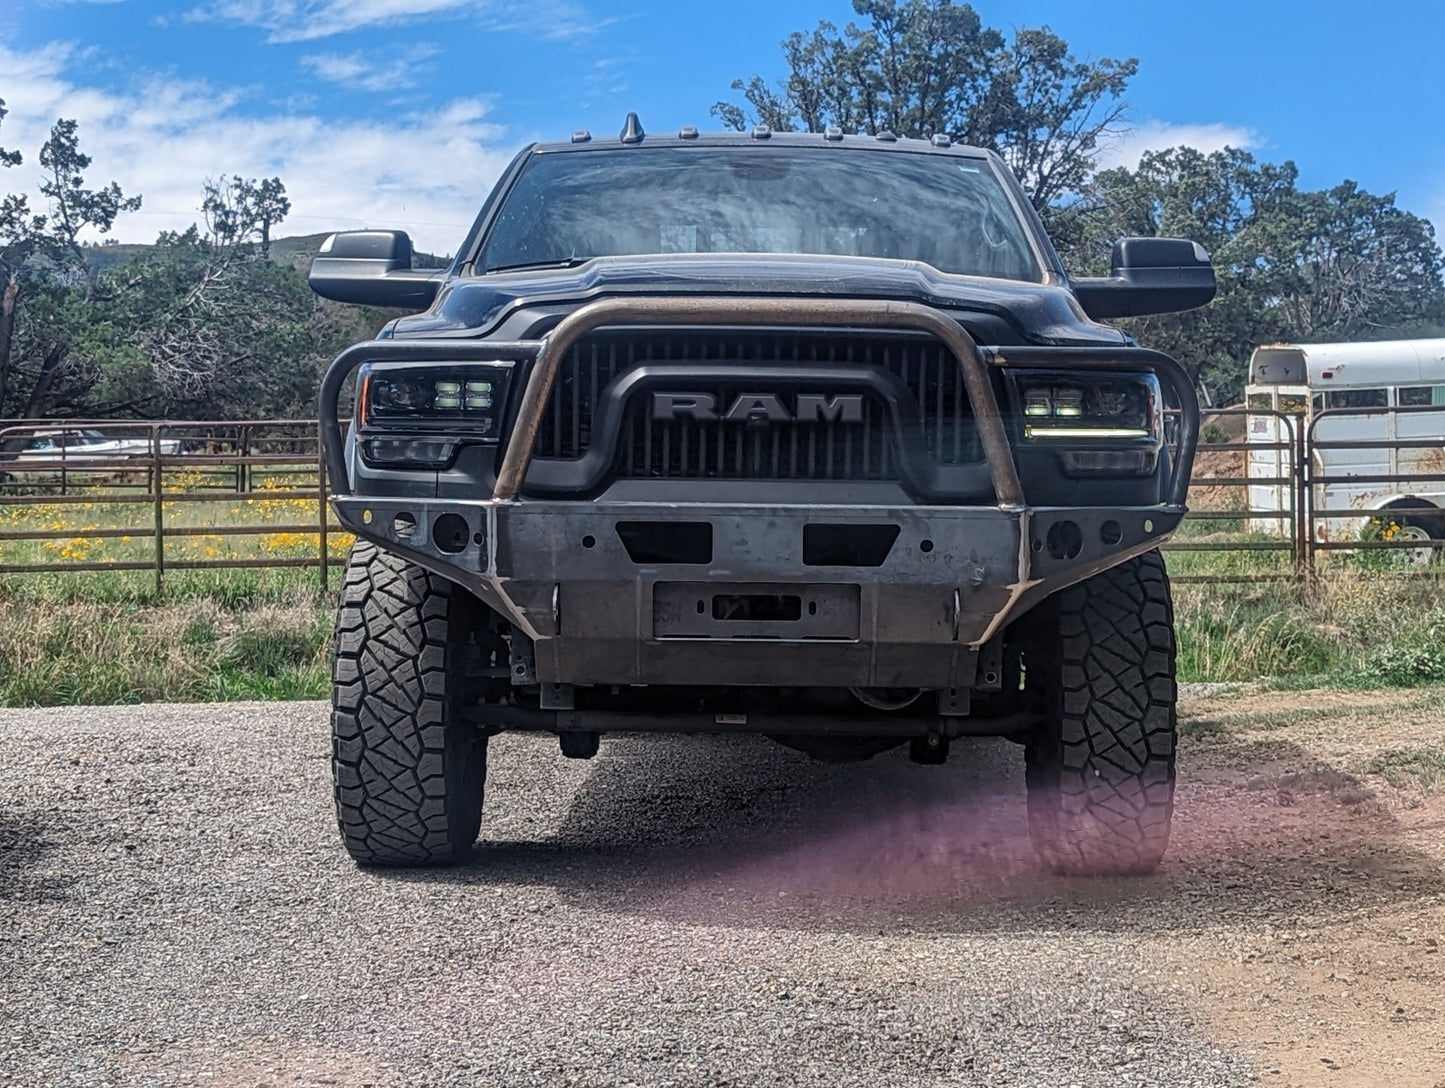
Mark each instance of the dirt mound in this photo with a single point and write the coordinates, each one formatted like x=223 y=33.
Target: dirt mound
x=1211 y=466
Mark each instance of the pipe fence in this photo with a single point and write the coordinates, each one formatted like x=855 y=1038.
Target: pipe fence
x=1275 y=496
x=165 y=496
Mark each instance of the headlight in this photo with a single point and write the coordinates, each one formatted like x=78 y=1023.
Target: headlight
x=416 y=416
x=1074 y=407
x=464 y=397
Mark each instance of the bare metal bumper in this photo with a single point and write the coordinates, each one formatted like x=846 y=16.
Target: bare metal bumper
x=561 y=573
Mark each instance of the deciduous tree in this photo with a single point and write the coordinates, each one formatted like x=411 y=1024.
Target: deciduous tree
x=921 y=67
x=1292 y=264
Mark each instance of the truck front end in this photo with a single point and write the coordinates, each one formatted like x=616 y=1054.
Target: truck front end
x=743 y=463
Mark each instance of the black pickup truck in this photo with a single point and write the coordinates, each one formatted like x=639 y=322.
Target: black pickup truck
x=808 y=435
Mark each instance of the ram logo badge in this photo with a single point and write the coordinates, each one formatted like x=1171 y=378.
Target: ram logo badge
x=760 y=408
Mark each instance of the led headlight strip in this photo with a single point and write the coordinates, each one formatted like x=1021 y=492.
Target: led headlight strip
x=1082 y=406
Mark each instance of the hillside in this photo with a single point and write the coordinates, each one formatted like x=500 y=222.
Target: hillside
x=295 y=250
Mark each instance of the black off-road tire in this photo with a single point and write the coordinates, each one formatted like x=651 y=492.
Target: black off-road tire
x=408 y=771
x=1100 y=770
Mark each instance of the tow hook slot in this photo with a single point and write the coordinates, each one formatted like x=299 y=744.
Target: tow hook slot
x=656 y=542
x=826 y=545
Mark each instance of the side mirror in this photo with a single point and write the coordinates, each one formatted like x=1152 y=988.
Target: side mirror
x=1148 y=276
x=373 y=267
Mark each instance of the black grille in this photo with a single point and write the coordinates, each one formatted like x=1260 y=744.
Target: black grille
x=935 y=417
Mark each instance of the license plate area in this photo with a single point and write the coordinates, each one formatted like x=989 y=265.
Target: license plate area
x=754 y=611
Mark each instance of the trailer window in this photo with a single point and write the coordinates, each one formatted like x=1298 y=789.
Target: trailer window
x=1261 y=400
x=1419 y=396
x=1357 y=398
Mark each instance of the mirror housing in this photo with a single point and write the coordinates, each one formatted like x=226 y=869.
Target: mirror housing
x=373 y=268
x=1148 y=276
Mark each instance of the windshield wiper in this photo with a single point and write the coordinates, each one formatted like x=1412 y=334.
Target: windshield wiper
x=565 y=262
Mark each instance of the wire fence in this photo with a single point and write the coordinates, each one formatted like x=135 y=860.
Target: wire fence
x=1275 y=496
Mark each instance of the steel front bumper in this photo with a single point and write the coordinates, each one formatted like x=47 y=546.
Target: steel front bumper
x=563 y=574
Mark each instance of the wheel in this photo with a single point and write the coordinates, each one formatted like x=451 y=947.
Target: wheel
x=1417 y=531
x=1099 y=664
x=408 y=770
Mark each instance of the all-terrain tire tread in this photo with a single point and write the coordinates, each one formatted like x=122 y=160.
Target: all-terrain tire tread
x=1101 y=773
x=407 y=774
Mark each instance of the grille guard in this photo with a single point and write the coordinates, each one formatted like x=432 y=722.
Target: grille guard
x=547 y=355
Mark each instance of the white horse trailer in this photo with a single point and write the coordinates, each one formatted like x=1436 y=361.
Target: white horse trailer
x=1374 y=415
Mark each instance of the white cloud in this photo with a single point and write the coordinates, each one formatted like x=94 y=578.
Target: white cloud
x=368 y=73
x=1127 y=149
x=166 y=137
x=310 y=20
x=608 y=77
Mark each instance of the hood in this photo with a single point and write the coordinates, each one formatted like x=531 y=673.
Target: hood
x=512 y=304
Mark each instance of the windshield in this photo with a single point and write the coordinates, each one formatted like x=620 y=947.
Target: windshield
x=945 y=210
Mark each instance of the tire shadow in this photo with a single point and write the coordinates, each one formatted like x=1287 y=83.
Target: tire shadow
x=737 y=830
x=24 y=845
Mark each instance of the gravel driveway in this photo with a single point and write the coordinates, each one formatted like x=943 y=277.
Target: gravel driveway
x=175 y=907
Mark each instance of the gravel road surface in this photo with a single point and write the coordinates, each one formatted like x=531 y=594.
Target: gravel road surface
x=175 y=907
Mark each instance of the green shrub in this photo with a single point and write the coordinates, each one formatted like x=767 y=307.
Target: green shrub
x=1212 y=434
x=1404 y=666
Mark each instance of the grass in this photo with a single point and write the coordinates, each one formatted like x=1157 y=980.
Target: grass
x=1347 y=631
x=97 y=652
x=209 y=523
x=1230 y=723
x=98 y=637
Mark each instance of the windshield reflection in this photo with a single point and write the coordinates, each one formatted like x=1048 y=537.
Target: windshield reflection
x=947 y=211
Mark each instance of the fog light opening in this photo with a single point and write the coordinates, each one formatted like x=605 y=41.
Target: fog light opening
x=1065 y=540
x=451 y=533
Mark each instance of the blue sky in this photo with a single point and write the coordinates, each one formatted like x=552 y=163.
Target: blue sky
x=402 y=112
